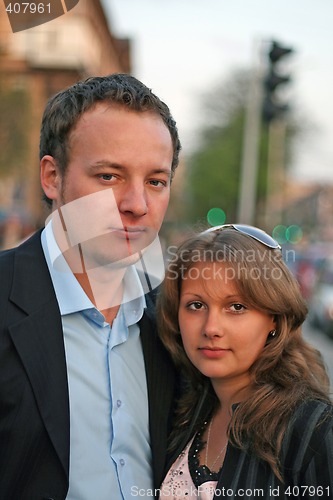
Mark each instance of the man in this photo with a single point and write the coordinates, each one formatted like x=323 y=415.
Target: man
x=86 y=388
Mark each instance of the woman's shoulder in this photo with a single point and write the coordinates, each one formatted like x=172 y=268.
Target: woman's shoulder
x=310 y=427
x=313 y=413
x=312 y=418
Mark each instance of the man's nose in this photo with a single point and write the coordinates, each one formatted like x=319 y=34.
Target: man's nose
x=133 y=201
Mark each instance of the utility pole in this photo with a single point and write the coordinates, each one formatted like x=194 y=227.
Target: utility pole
x=251 y=136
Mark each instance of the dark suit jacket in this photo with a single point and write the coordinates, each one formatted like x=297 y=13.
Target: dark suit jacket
x=34 y=406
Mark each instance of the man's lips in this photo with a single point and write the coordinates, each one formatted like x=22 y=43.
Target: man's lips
x=213 y=352
x=129 y=233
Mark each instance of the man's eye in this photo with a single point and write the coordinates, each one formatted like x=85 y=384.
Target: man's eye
x=106 y=177
x=157 y=183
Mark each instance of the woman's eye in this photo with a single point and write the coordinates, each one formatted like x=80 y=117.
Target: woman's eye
x=237 y=307
x=195 y=306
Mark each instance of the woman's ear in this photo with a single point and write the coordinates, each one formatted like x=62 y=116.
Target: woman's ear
x=50 y=177
x=272 y=332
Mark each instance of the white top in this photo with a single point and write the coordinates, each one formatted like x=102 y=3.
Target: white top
x=178 y=483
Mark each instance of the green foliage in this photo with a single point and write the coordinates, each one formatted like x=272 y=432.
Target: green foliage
x=214 y=169
x=213 y=172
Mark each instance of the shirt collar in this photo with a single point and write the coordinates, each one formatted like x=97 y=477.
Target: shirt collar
x=71 y=296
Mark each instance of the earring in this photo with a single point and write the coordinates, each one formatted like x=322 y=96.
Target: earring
x=272 y=333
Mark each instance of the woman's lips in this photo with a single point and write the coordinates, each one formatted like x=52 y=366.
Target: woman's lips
x=213 y=352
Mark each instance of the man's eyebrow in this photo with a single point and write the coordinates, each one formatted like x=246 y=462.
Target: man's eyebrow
x=158 y=170
x=117 y=166
x=97 y=165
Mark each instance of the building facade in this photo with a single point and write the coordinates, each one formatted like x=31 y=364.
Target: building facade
x=34 y=64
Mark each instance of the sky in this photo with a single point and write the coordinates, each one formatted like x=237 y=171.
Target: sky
x=183 y=49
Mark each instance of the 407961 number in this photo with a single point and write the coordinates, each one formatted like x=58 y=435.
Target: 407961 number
x=308 y=491
x=28 y=8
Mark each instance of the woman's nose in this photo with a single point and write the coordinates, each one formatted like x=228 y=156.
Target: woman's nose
x=213 y=326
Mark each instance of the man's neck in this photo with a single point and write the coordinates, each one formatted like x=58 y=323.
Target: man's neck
x=105 y=290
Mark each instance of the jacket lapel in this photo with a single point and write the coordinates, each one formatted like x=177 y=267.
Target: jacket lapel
x=38 y=339
x=161 y=386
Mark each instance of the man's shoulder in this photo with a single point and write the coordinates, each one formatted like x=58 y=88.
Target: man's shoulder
x=27 y=250
x=32 y=241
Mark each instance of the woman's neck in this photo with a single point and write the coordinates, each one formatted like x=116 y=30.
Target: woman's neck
x=230 y=392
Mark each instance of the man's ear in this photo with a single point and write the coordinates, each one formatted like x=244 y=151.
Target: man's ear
x=50 y=177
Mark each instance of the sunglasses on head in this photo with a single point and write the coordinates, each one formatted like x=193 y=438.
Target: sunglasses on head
x=253 y=232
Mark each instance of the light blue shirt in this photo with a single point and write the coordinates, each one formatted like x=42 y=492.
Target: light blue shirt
x=109 y=435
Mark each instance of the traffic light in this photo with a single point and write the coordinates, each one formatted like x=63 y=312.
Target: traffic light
x=272 y=107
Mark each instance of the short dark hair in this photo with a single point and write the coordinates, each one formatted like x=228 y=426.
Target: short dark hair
x=64 y=109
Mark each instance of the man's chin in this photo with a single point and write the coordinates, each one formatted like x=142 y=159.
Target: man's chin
x=105 y=251
x=121 y=262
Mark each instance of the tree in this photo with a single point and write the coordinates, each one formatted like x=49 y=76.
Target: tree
x=213 y=170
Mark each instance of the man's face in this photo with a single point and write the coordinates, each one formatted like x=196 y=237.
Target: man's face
x=116 y=189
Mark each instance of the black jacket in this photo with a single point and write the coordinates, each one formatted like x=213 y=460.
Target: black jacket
x=34 y=404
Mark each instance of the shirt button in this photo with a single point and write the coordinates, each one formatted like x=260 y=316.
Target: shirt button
x=122 y=462
x=118 y=403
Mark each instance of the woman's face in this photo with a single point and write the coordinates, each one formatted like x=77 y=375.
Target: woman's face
x=222 y=335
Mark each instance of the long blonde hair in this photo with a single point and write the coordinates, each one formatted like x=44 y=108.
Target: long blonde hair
x=288 y=371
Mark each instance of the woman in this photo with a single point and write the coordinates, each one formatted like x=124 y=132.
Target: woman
x=256 y=419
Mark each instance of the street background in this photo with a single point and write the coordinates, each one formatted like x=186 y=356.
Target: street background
x=249 y=84
x=325 y=345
